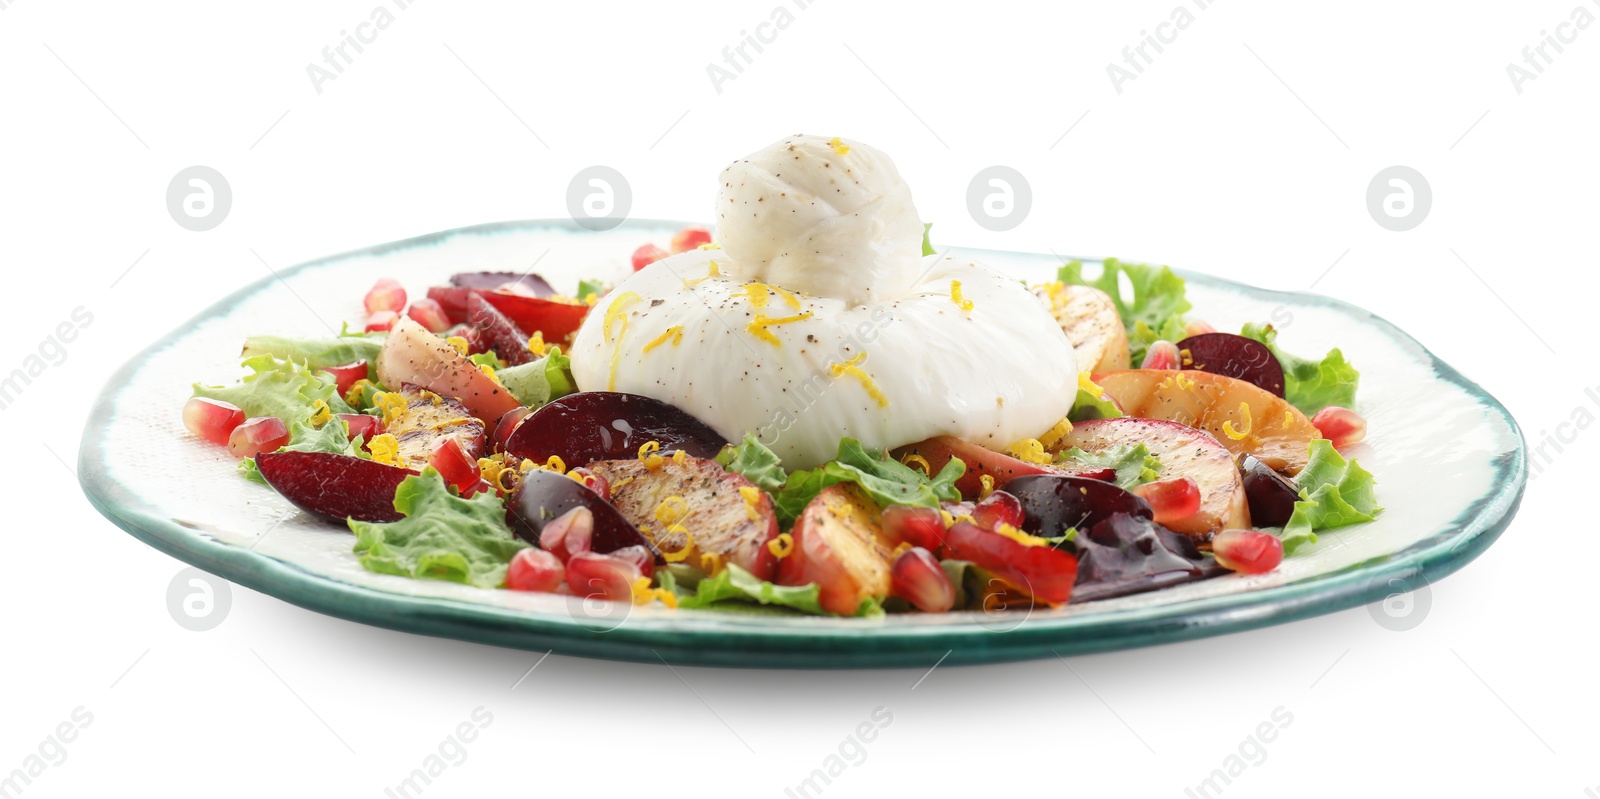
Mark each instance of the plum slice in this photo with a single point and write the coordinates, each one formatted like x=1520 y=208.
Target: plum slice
x=542 y=496
x=1183 y=452
x=413 y=355
x=1271 y=495
x=1052 y=504
x=594 y=426
x=982 y=461
x=555 y=319
x=497 y=332
x=1234 y=356
x=335 y=486
x=1126 y=554
x=517 y=282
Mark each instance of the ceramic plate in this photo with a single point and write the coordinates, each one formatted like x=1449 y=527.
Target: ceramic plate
x=1448 y=459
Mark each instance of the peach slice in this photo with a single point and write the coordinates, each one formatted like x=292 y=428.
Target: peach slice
x=413 y=355
x=1243 y=417
x=1183 y=452
x=838 y=545
x=981 y=461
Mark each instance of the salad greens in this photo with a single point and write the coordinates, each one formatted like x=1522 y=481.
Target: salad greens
x=1308 y=384
x=1334 y=493
x=758 y=464
x=284 y=389
x=1133 y=463
x=318 y=353
x=884 y=479
x=733 y=588
x=442 y=536
x=538 y=382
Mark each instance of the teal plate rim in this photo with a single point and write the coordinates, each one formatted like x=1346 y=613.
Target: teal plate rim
x=872 y=646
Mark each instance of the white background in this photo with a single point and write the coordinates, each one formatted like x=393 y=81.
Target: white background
x=1245 y=149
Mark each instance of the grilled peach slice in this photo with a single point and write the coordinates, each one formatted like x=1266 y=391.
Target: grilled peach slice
x=1090 y=320
x=1243 y=417
x=981 y=461
x=838 y=545
x=427 y=418
x=725 y=515
x=1183 y=452
x=413 y=355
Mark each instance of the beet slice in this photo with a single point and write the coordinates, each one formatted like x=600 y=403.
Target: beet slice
x=542 y=496
x=335 y=486
x=497 y=332
x=1053 y=503
x=594 y=426
x=528 y=283
x=1233 y=356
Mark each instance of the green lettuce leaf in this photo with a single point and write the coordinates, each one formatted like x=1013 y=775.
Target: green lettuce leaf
x=537 y=382
x=1156 y=309
x=442 y=536
x=318 y=353
x=884 y=479
x=278 y=388
x=1307 y=384
x=733 y=588
x=1334 y=492
x=333 y=436
x=1088 y=407
x=1133 y=463
x=927 y=246
x=489 y=359
x=592 y=286
x=758 y=464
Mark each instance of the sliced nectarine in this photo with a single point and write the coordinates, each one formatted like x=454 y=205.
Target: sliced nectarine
x=838 y=545
x=1243 y=417
x=1184 y=452
x=428 y=418
x=413 y=355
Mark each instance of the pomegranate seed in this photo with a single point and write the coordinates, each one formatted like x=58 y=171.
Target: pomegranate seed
x=1161 y=355
x=1342 y=426
x=592 y=575
x=642 y=558
x=386 y=295
x=1198 y=327
x=592 y=481
x=690 y=238
x=360 y=424
x=212 y=420
x=508 y=424
x=535 y=570
x=647 y=255
x=996 y=509
x=1247 y=551
x=254 y=436
x=430 y=314
x=451 y=461
x=1172 y=500
x=381 y=321
x=918 y=526
x=346 y=376
x=569 y=534
x=917 y=577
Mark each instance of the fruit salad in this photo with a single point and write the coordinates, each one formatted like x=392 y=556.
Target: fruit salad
x=806 y=411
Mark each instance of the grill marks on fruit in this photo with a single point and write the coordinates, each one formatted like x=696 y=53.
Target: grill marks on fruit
x=426 y=418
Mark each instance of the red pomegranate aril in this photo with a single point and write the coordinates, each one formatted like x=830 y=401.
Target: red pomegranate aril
x=915 y=525
x=571 y=533
x=362 y=425
x=346 y=376
x=996 y=509
x=1341 y=426
x=1172 y=500
x=212 y=420
x=690 y=238
x=452 y=462
x=381 y=321
x=1197 y=327
x=1162 y=355
x=535 y=570
x=258 y=435
x=386 y=295
x=508 y=424
x=1247 y=551
x=642 y=559
x=592 y=481
x=596 y=576
x=917 y=577
x=430 y=314
x=647 y=255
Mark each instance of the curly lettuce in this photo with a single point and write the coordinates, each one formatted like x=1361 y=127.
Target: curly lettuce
x=884 y=479
x=287 y=390
x=1334 y=492
x=755 y=462
x=442 y=537
x=1310 y=385
x=538 y=382
x=318 y=353
x=1133 y=463
x=1154 y=312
